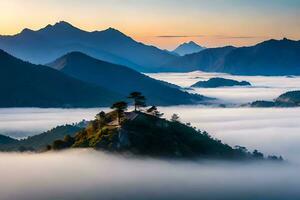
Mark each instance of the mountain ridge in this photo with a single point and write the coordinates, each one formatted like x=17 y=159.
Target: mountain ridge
x=122 y=79
x=27 y=85
x=46 y=44
x=271 y=57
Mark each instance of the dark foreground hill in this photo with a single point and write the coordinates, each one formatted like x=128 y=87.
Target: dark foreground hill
x=272 y=57
x=288 y=99
x=220 y=82
x=147 y=135
x=122 y=80
x=26 y=85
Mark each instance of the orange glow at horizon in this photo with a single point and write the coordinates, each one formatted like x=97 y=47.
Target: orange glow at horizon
x=208 y=23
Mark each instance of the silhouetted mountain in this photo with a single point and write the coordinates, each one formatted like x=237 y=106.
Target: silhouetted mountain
x=26 y=85
x=121 y=79
x=188 y=48
x=220 y=82
x=206 y=60
x=45 y=45
x=272 y=57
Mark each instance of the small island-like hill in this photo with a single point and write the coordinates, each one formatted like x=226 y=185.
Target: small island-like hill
x=144 y=133
x=288 y=99
x=220 y=82
x=141 y=132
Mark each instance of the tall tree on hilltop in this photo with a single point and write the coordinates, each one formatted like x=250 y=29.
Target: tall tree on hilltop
x=153 y=111
x=120 y=108
x=175 y=118
x=138 y=100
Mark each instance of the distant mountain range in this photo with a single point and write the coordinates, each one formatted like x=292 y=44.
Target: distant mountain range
x=45 y=45
x=288 y=99
x=27 y=85
x=80 y=81
x=121 y=80
x=272 y=57
x=188 y=48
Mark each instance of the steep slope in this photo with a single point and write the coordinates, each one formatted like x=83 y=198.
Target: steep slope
x=45 y=45
x=272 y=57
x=121 y=79
x=26 y=85
x=188 y=48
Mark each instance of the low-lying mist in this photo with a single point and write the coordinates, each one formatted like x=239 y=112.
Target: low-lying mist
x=23 y=122
x=87 y=174
x=263 y=87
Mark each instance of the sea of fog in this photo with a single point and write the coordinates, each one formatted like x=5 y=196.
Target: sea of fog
x=87 y=174
x=263 y=87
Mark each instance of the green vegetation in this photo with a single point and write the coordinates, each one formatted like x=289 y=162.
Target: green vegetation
x=146 y=134
x=120 y=108
x=39 y=142
x=138 y=100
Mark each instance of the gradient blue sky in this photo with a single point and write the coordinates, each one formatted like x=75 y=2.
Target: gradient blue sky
x=210 y=23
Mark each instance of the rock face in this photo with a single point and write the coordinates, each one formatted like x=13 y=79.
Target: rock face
x=220 y=82
x=151 y=136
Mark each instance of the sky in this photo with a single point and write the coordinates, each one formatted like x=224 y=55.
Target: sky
x=163 y=23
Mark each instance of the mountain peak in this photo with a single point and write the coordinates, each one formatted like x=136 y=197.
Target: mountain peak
x=192 y=43
x=114 y=31
x=26 y=30
x=61 y=25
x=188 y=48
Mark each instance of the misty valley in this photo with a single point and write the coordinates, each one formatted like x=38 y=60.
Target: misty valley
x=149 y=100
x=273 y=131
